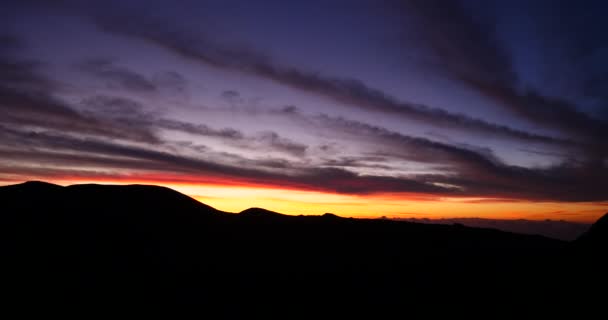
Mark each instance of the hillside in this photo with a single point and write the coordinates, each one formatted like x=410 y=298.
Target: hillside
x=92 y=243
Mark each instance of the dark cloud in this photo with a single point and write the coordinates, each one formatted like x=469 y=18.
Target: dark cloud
x=467 y=49
x=564 y=182
x=452 y=157
x=199 y=129
x=133 y=114
x=120 y=77
x=39 y=109
x=460 y=42
x=370 y=162
x=233 y=97
x=27 y=99
x=19 y=73
x=577 y=29
x=275 y=142
x=116 y=107
x=289 y=109
x=116 y=76
x=548 y=112
x=172 y=81
x=67 y=159
x=10 y=42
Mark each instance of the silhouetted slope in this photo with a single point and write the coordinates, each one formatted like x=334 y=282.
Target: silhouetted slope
x=34 y=186
x=92 y=204
x=597 y=236
x=91 y=244
x=557 y=229
x=90 y=196
x=586 y=261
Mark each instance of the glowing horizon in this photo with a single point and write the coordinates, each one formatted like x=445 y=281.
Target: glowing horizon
x=232 y=198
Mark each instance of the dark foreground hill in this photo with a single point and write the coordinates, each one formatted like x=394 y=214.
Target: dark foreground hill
x=106 y=246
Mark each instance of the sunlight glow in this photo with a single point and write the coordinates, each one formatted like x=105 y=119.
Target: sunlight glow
x=233 y=198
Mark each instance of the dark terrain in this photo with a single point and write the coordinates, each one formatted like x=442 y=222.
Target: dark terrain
x=557 y=229
x=106 y=246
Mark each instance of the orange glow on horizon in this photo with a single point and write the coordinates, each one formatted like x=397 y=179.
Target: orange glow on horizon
x=234 y=197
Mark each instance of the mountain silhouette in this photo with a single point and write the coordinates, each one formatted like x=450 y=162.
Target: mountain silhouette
x=38 y=194
x=597 y=235
x=111 y=245
x=260 y=213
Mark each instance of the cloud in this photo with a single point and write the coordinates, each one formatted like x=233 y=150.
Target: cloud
x=468 y=49
x=27 y=99
x=131 y=113
x=118 y=76
x=199 y=129
x=381 y=141
x=9 y=41
x=548 y=112
x=458 y=42
x=569 y=182
x=322 y=179
x=39 y=109
x=475 y=171
x=272 y=141
x=262 y=141
x=115 y=137
x=465 y=172
x=171 y=81
x=351 y=92
x=115 y=107
x=19 y=73
x=407 y=147
x=370 y=162
x=232 y=97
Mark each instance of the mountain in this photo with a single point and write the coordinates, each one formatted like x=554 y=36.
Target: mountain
x=42 y=196
x=105 y=245
x=259 y=213
x=597 y=235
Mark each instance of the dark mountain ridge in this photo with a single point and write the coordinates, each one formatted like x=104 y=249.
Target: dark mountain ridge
x=98 y=243
x=597 y=235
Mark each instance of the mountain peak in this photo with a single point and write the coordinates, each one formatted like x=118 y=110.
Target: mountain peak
x=603 y=221
x=597 y=234
x=259 y=212
x=103 y=199
x=328 y=215
x=33 y=186
x=37 y=183
x=601 y=225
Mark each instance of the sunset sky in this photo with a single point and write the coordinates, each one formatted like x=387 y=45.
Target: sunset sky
x=412 y=108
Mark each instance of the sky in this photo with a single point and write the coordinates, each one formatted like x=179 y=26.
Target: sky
x=404 y=109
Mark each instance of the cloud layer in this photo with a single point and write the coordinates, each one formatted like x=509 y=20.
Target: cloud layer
x=128 y=112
